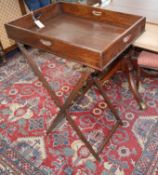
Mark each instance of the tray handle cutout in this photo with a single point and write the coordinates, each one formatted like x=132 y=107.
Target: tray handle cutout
x=36 y=20
x=46 y=42
x=37 y=15
x=96 y=13
x=126 y=38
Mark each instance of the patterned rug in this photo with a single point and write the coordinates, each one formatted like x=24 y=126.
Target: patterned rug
x=26 y=110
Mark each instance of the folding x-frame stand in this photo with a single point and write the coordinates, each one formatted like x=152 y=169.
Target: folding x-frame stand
x=88 y=78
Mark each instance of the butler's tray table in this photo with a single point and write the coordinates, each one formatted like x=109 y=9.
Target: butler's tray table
x=90 y=36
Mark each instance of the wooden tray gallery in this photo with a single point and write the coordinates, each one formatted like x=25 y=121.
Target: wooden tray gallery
x=90 y=36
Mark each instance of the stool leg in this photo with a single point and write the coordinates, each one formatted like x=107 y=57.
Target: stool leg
x=138 y=77
x=133 y=87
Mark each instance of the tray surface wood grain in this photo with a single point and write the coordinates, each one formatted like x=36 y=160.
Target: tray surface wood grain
x=90 y=36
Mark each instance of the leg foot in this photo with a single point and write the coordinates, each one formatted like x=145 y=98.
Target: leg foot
x=142 y=105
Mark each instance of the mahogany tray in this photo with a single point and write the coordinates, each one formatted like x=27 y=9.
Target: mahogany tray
x=88 y=35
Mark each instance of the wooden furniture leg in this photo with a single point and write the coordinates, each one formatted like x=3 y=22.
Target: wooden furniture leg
x=83 y=138
x=128 y=70
x=39 y=74
x=69 y=101
x=138 y=77
x=85 y=82
x=106 y=99
x=132 y=85
x=2 y=55
x=98 y=83
x=147 y=65
x=62 y=113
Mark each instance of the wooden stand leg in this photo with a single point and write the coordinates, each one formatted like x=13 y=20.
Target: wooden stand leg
x=82 y=137
x=72 y=97
x=106 y=140
x=99 y=86
x=39 y=74
x=98 y=83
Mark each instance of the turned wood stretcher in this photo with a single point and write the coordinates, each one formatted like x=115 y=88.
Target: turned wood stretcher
x=90 y=36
